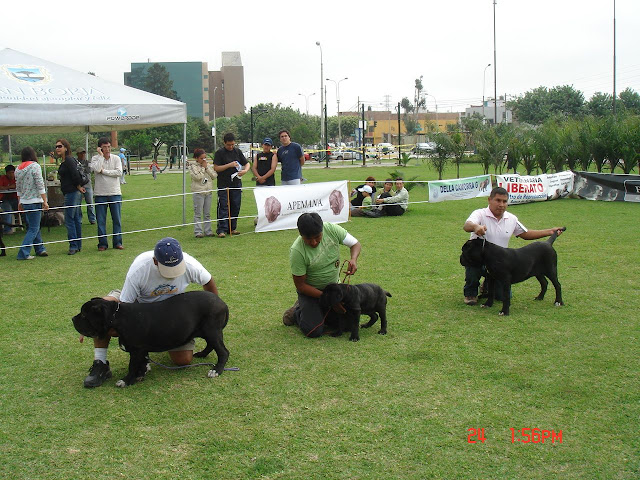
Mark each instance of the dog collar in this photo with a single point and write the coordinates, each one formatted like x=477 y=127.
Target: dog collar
x=339 y=308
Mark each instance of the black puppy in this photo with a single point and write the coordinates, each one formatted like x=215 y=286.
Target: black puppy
x=158 y=327
x=350 y=301
x=3 y=248
x=514 y=265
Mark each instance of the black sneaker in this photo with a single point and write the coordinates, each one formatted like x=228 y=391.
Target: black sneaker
x=98 y=373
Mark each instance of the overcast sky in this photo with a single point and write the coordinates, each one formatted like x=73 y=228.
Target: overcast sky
x=382 y=47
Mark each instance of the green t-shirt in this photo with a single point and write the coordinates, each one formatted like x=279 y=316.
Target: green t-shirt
x=321 y=265
x=366 y=203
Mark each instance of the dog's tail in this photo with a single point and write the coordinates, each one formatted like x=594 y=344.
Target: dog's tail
x=553 y=237
x=387 y=293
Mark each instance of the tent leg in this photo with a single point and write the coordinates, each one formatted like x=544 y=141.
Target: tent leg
x=184 y=173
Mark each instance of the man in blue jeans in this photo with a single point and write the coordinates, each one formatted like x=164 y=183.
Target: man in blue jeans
x=108 y=171
x=230 y=164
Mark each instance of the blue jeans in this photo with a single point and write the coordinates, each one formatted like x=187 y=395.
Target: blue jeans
x=115 y=207
x=9 y=205
x=73 y=219
x=88 y=198
x=235 y=199
x=33 y=213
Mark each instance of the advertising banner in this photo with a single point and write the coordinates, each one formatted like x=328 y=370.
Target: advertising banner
x=279 y=207
x=536 y=188
x=460 y=188
x=607 y=187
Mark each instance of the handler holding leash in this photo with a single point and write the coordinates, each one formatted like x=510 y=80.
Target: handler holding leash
x=315 y=263
x=497 y=226
x=153 y=276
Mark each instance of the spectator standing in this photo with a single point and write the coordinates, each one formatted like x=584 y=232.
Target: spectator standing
x=264 y=165
x=83 y=164
x=291 y=156
x=8 y=201
x=202 y=176
x=107 y=168
x=71 y=186
x=230 y=164
x=32 y=200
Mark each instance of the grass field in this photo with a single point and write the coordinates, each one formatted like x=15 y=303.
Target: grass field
x=394 y=406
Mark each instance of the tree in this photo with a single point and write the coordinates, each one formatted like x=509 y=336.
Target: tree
x=547 y=146
x=138 y=141
x=491 y=147
x=630 y=100
x=444 y=147
x=410 y=124
x=630 y=140
x=540 y=104
x=520 y=148
x=158 y=81
x=600 y=105
x=458 y=148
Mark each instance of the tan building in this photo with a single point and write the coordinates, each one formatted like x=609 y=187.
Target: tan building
x=383 y=126
x=228 y=85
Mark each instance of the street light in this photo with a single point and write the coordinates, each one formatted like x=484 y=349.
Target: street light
x=322 y=133
x=306 y=99
x=338 y=100
x=215 y=132
x=484 y=77
x=495 y=69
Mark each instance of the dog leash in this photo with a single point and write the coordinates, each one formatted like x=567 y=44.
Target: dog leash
x=228 y=369
x=341 y=309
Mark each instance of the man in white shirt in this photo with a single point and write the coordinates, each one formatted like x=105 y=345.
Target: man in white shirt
x=108 y=171
x=497 y=226
x=153 y=276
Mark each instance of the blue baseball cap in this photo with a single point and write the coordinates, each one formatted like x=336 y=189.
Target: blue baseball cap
x=168 y=254
x=268 y=141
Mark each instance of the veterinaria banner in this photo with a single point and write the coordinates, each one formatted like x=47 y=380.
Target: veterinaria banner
x=280 y=207
x=536 y=188
x=460 y=188
x=607 y=187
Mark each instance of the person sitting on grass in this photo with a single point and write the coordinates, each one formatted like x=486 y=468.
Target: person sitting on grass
x=396 y=204
x=357 y=201
x=365 y=209
x=315 y=262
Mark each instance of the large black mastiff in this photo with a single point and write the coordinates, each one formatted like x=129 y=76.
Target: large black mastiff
x=158 y=327
x=350 y=301
x=514 y=265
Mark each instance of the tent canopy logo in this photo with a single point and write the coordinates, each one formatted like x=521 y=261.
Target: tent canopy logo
x=122 y=116
x=27 y=74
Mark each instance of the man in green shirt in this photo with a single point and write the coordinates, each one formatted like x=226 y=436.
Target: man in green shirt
x=315 y=262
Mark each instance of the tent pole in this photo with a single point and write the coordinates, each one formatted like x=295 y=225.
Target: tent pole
x=184 y=173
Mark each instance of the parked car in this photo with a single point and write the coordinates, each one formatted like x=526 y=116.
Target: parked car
x=343 y=154
x=384 y=148
x=424 y=148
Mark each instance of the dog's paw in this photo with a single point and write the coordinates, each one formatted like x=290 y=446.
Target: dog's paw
x=502 y=314
x=212 y=373
x=354 y=339
x=200 y=354
x=559 y=304
x=382 y=332
x=121 y=384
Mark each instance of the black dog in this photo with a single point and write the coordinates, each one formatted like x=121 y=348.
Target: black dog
x=3 y=248
x=514 y=265
x=158 y=327
x=350 y=301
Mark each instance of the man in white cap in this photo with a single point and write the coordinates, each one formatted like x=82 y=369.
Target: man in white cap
x=153 y=276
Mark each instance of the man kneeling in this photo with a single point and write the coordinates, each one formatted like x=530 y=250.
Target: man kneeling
x=153 y=276
x=315 y=263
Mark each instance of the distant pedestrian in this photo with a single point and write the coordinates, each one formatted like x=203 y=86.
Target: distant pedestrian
x=202 y=176
x=155 y=168
x=291 y=156
x=123 y=160
x=71 y=186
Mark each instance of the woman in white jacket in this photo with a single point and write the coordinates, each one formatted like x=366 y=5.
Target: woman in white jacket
x=202 y=176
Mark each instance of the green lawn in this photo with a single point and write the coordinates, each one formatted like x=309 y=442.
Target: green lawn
x=394 y=406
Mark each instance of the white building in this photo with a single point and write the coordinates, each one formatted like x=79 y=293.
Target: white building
x=488 y=111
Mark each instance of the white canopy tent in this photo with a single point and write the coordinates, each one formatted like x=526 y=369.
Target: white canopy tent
x=37 y=96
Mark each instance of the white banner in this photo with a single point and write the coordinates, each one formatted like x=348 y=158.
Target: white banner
x=279 y=207
x=536 y=188
x=460 y=188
